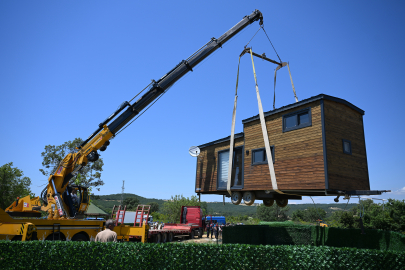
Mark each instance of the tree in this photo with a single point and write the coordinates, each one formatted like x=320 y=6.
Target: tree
x=154 y=207
x=131 y=203
x=12 y=185
x=311 y=214
x=172 y=208
x=272 y=213
x=89 y=176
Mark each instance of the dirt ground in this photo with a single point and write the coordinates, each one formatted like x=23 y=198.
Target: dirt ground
x=203 y=240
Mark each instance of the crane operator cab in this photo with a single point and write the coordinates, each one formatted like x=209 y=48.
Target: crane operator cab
x=76 y=198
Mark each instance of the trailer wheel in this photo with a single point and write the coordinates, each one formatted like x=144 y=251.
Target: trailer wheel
x=192 y=235
x=249 y=197
x=157 y=238
x=268 y=202
x=170 y=237
x=236 y=197
x=282 y=202
x=200 y=233
x=164 y=237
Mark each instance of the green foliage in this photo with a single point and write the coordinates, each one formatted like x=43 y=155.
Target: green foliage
x=172 y=208
x=90 y=175
x=92 y=255
x=311 y=214
x=12 y=185
x=154 y=207
x=106 y=202
x=390 y=217
x=131 y=203
x=273 y=213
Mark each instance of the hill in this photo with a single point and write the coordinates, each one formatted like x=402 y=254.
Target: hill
x=106 y=203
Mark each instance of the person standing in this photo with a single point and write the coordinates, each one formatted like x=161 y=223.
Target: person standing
x=108 y=235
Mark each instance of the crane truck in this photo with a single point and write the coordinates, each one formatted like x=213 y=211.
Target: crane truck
x=20 y=221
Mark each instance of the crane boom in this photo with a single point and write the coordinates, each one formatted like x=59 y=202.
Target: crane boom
x=56 y=192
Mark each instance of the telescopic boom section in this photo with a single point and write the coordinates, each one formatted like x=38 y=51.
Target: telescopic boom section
x=174 y=75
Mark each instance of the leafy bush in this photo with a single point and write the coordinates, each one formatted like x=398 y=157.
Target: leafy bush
x=91 y=255
x=273 y=213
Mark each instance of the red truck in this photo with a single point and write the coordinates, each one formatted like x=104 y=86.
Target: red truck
x=190 y=225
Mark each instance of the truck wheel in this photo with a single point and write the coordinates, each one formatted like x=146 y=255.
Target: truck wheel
x=236 y=197
x=157 y=238
x=170 y=237
x=268 y=202
x=282 y=202
x=79 y=237
x=249 y=197
x=164 y=237
x=192 y=235
x=200 y=233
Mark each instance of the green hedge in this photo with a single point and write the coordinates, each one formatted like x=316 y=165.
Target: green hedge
x=265 y=235
x=313 y=235
x=91 y=255
x=372 y=239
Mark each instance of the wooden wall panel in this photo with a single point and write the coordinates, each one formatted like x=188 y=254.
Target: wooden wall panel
x=345 y=172
x=299 y=162
x=206 y=178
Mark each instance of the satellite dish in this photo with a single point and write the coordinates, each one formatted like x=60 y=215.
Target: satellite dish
x=194 y=151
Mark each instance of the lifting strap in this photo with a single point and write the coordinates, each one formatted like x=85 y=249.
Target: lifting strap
x=292 y=83
x=264 y=130
x=228 y=187
x=265 y=134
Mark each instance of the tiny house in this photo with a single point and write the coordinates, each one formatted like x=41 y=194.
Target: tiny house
x=317 y=146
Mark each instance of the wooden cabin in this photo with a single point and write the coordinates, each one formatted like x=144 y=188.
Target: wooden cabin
x=317 y=145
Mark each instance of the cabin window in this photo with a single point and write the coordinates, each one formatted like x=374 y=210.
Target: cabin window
x=259 y=155
x=297 y=120
x=347 y=147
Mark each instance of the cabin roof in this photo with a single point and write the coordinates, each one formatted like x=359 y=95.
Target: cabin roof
x=238 y=135
x=303 y=102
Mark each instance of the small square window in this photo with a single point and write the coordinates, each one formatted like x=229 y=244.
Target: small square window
x=347 y=147
x=259 y=155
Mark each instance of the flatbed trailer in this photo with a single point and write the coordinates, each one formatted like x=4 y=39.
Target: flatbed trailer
x=26 y=229
x=189 y=226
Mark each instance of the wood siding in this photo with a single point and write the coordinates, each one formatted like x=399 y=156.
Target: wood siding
x=206 y=177
x=345 y=172
x=299 y=162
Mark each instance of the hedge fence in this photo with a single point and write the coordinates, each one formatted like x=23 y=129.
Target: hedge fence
x=314 y=236
x=91 y=255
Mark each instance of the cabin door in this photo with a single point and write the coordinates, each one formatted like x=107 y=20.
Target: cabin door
x=237 y=169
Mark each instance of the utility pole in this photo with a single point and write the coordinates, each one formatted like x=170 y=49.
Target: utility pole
x=122 y=193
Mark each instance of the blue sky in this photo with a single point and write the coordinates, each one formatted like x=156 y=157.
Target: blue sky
x=65 y=66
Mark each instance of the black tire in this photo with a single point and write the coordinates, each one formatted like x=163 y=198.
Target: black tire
x=192 y=235
x=17 y=238
x=268 y=202
x=55 y=237
x=157 y=238
x=164 y=237
x=170 y=237
x=200 y=233
x=80 y=237
x=282 y=202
